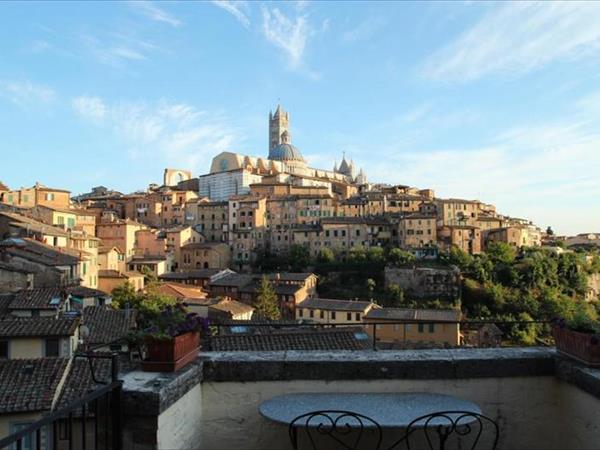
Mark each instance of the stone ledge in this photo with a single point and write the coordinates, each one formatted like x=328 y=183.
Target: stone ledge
x=585 y=378
x=369 y=365
x=150 y=393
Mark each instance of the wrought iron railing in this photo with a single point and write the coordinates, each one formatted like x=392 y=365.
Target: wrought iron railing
x=92 y=422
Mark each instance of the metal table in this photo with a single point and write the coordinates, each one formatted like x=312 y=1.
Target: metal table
x=391 y=410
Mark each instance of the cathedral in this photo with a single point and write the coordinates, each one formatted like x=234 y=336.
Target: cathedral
x=232 y=173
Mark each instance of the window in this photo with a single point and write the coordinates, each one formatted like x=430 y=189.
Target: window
x=27 y=443
x=52 y=347
x=333 y=315
x=432 y=327
x=3 y=349
x=60 y=220
x=348 y=316
x=357 y=317
x=421 y=328
x=322 y=314
x=312 y=314
x=300 y=312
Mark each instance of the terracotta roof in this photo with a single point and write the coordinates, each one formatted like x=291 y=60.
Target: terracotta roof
x=27 y=223
x=107 y=325
x=189 y=275
x=117 y=274
x=334 y=305
x=79 y=381
x=3 y=187
x=181 y=291
x=41 y=298
x=336 y=339
x=426 y=315
x=38 y=252
x=85 y=292
x=289 y=276
x=232 y=306
x=38 y=326
x=28 y=385
x=235 y=279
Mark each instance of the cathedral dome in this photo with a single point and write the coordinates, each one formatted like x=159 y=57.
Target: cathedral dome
x=285 y=152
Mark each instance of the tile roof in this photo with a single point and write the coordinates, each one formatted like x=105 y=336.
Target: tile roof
x=28 y=223
x=189 y=275
x=117 y=274
x=335 y=305
x=181 y=291
x=434 y=315
x=107 y=325
x=332 y=339
x=232 y=306
x=28 y=385
x=85 y=292
x=39 y=298
x=39 y=252
x=233 y=279
x=37 y=326
x=79 y=382
x=289 y=276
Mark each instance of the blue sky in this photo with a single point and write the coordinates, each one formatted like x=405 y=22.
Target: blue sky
x=496 y=101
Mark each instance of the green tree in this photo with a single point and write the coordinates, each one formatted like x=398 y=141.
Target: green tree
x=501 y=252
x=399 y=257
x=549 y=231
x=124 y=294
x=371 y=284
x=376 y=255
x=326 y=256
x=299 y=257
x=395 y=295
x=357 y=254
x=149 y=277
x=266 y=304
x=459 y=258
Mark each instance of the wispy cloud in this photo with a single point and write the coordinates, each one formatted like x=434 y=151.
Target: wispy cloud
x=237 y=9
x=176 y=133
x=518 y=37
x=152 y=11
x=25 y=93
x=364 y=30
x=288 y=34
x=543 y=171
x=90 y=107
x=117 y=49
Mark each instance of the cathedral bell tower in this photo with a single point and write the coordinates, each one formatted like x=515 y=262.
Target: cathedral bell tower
x=278 y=125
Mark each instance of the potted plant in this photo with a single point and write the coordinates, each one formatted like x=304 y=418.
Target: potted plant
x=578 y=337
x=170 y=338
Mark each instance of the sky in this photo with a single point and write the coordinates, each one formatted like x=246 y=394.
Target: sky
x=494 y=101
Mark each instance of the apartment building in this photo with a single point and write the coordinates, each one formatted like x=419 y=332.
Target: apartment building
x=427 y=327
x=209 y=218
x=331 y=311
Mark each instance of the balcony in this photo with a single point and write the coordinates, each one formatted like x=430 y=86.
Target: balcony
x=539 y=399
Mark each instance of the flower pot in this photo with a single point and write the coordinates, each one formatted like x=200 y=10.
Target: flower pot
x=583 y=347
x=170 y=355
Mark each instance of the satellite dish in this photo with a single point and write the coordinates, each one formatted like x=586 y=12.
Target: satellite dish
x=84 y=332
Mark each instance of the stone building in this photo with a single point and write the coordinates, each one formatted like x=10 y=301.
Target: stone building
x=211 y=219
x=425 y=282
x=465 y=237
x=37 y=195
x=416 y=230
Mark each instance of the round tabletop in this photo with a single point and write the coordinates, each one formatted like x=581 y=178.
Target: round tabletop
x=388 y=410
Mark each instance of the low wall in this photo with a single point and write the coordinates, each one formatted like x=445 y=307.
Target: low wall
x=213 y=404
